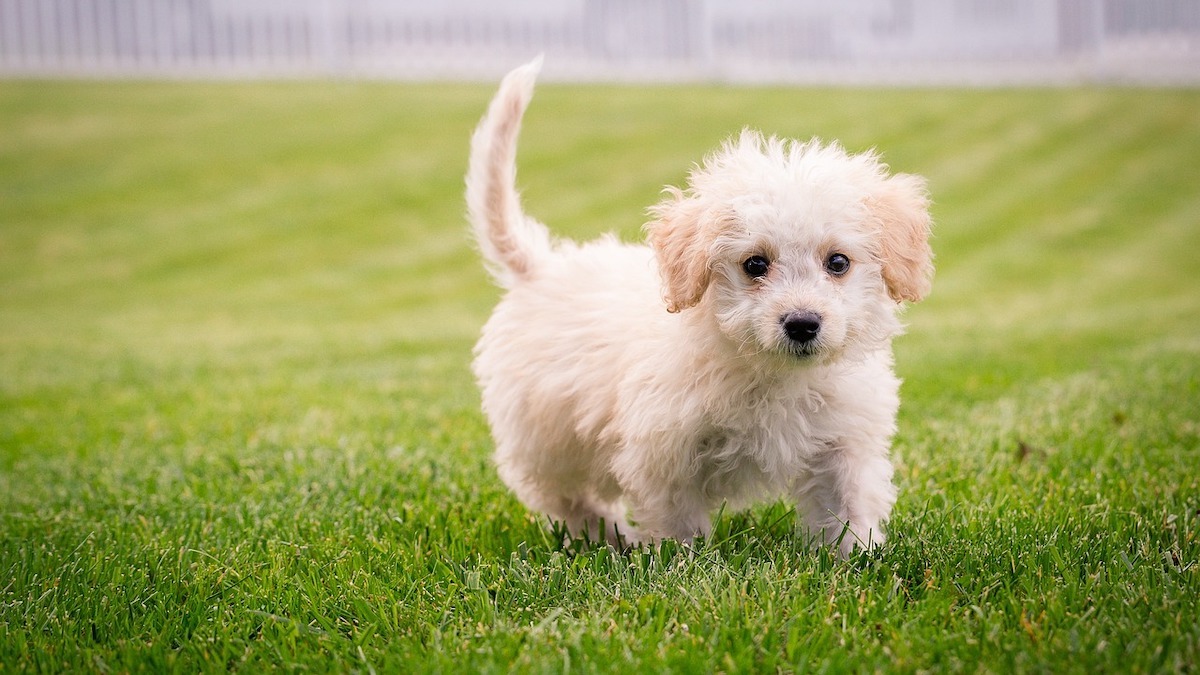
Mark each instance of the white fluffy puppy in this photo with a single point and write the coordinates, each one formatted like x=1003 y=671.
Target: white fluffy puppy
x=744 y=354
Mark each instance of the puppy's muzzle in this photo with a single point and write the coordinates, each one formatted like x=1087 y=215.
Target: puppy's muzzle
x=801 y=327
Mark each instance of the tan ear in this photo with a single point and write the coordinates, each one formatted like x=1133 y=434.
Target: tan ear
x=681 y=246
x=901 y=208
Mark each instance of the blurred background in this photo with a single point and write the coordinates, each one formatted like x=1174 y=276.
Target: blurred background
x=998 y=42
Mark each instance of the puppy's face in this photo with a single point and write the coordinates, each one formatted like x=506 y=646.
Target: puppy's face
x=798 y=250
x=797 y=278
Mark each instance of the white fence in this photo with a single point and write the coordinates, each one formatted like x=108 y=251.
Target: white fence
x=854 y=41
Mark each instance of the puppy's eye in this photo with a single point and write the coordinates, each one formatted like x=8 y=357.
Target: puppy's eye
x=756 y=266
x=837 y=264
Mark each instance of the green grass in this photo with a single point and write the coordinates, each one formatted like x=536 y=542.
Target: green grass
x=238 y=429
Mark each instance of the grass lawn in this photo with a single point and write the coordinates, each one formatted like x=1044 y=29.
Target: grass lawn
x=238 y=430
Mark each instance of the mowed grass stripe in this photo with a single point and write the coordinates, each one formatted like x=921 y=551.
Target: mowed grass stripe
x=1109 y=219
x=138 y=257
x=1033 y=165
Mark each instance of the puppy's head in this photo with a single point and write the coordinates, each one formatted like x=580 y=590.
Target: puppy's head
x=795 y=248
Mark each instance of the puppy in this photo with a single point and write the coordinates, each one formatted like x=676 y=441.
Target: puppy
x=745 y=354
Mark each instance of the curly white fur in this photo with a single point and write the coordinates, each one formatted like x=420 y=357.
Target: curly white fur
x=637 y=388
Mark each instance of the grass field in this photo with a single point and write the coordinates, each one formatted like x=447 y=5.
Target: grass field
x=238 y=429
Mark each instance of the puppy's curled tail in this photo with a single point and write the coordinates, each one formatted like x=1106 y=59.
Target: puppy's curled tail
x=511 y=242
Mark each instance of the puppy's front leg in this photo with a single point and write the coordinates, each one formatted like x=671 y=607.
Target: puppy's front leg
x=658 y=477
x=669 y=511
x=846 y=496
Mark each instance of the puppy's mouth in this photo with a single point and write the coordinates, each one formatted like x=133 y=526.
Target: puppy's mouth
x=802 y=352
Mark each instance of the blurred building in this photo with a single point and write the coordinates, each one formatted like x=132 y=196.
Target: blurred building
x=851 y=41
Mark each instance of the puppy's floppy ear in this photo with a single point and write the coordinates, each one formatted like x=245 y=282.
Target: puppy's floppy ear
x=680 y=239
x=900 y=208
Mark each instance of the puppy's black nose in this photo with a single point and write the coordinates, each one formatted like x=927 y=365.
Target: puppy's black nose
x=801 y=327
